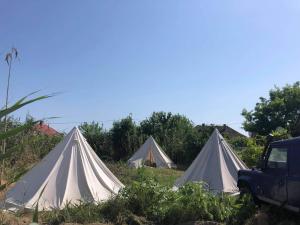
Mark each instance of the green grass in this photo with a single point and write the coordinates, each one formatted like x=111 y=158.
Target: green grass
x=127 y=175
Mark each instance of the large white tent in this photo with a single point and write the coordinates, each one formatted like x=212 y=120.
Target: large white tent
x=70 y=173
x=216 y=165
x=150 y=153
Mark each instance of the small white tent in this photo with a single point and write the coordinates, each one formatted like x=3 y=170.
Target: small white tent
x=150 y=153
x=216 y=165
x=71 y=172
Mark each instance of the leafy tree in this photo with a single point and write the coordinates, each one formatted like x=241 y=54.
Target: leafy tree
x=193 y=144
x=175 y=133
x=124 y=137
x=98 y=139
x=281 y=109
x=279 y=134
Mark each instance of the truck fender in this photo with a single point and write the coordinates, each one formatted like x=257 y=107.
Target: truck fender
x=246 y=181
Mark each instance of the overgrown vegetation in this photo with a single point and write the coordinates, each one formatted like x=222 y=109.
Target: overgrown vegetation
x=10 y=130
x=146 y=201
x=25 y=149
x=248 y=149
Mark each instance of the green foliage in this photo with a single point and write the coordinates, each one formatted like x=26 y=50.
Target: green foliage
x=25 y=149
x=98 y=139
x=35 y=216
x=280 y=133
x=281 y=109
x=146 y=201
x=125 y=138
x=127 y=175
x=248 y=149
x=19 y=104
x=12 y=132
x=175 y=133
x=83 y=212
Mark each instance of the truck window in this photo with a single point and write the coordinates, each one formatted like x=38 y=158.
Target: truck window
x=294 y=169
x=277 y=158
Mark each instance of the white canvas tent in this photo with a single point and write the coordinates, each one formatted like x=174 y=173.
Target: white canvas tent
x=71 y=172
x=216 y=165
x=150 y=153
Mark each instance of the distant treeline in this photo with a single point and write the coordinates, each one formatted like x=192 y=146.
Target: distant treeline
x=179 y=137
x=175 y=133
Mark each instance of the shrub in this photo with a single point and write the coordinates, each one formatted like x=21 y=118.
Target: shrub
x=83 y=212
x=146 y=201
x=249 y=149
x=191 y=202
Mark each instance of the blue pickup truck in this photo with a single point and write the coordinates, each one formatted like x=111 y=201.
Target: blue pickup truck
x=277 y=178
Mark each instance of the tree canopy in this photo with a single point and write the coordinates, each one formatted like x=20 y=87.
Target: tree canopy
x=280 y=110
x=175 y=133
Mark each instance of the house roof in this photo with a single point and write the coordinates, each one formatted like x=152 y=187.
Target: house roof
x=230 y=132
x=224 y=130
x=45 y=129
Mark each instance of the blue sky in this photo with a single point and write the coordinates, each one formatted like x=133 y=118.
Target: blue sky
x=205 y=59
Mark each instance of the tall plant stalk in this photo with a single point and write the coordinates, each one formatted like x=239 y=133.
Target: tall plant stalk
x=13 y=54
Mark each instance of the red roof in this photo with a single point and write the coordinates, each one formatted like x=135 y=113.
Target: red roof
x=45 y=129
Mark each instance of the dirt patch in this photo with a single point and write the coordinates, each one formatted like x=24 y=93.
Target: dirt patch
x=11 y=219
x=4 y=191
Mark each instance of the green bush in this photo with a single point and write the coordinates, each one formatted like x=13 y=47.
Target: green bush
x=75 y=213
x=190 y=203
x=146 y=201
x=249 y=149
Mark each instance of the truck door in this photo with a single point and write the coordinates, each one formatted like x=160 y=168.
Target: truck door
x=293 y=180
x=274 y=176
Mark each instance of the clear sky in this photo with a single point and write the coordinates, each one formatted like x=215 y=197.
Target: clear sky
x=205 y=59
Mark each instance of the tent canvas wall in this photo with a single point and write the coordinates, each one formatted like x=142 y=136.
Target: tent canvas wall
x=151 y=154
x=216 y=165
x=70 y=172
